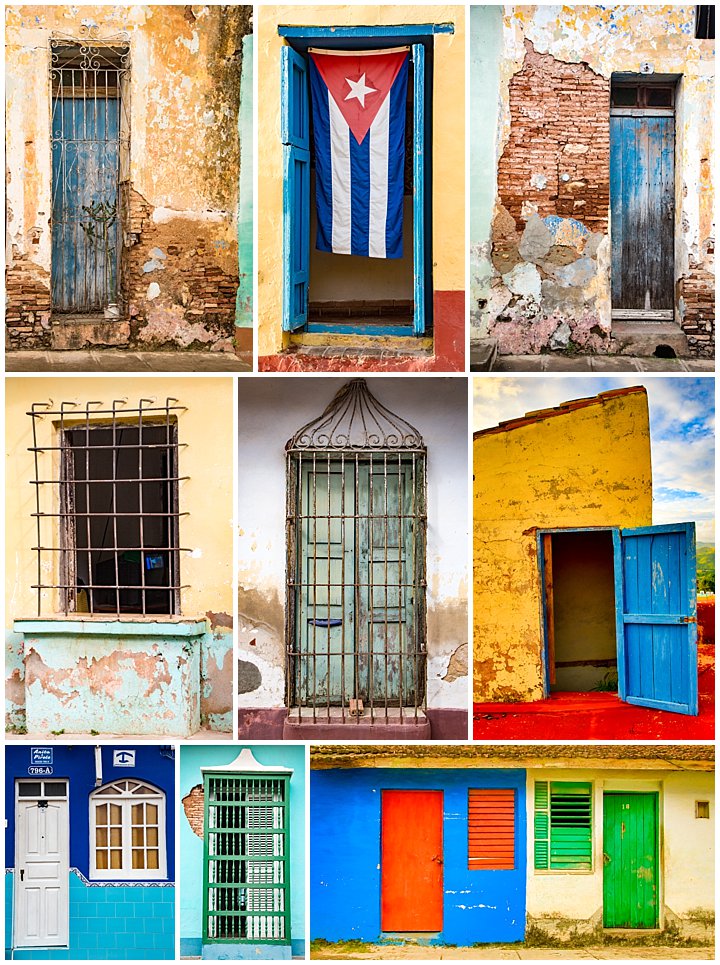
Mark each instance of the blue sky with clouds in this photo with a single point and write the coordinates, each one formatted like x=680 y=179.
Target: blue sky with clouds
x=682 y=432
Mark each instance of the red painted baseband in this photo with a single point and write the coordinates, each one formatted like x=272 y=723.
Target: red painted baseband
x=448 y=349
x=601 y=716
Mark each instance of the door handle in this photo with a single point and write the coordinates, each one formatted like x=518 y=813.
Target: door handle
x=324 y=623
x=437 y=859
x=606 y=858
x=22 y=874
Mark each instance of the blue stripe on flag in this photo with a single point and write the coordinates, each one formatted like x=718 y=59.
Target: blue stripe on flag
x=360 y=194
x=396 y=165
x=323 y=164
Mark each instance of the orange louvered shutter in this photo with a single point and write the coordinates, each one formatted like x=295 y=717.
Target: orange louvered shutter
x=491 y=829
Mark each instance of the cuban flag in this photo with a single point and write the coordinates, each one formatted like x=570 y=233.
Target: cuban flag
x=359 y=104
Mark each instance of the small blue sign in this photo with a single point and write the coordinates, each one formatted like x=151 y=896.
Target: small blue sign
x=123 y=758
x=41 y=756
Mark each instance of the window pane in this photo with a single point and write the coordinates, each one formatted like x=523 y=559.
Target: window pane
x=152 y=860
x=116 y=860
x=116 y=837
x=624 y=96
x=30 y=789
x=137 y=814
x=101 y=837
x=138 y=858
x=151 y=815
x=152 y=837
x=138 y=836
x=659 y=97
x=101 y=860
x=115 y=814
x=55 y=789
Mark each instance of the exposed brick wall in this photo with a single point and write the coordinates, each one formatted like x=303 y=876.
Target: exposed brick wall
x=28 y=304
x=560 y=124
x=194 y=807
x=697 y=290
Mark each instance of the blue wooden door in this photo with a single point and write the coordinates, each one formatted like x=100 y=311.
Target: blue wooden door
x=655 y=599
x=642 y=205
x=85 y=228
x=295 y=98
x=418 y=60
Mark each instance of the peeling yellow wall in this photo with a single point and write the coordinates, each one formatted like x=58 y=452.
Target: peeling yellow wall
x=205 y=431
x=184 y=145
x=588 y=466
x=448 y=147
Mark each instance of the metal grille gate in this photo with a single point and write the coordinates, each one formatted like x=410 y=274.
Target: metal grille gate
x=356 y=518
x=115 y=545
x=90 y=134
x=246 y=876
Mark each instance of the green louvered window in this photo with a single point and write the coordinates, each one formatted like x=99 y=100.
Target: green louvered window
x=246 y=874
x=563 y=826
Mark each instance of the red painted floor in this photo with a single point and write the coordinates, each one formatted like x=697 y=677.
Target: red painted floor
x=576 y=716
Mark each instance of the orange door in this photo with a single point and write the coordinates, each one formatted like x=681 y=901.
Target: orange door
x=412 y=860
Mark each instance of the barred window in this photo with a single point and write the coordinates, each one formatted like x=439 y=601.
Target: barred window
x=127 y=831
x=115 y=546
x=356 y=562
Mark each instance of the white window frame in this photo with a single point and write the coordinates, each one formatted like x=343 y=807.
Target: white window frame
x=125 y=798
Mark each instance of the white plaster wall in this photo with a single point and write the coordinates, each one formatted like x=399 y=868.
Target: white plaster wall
x=271 y=410
x=686 y=844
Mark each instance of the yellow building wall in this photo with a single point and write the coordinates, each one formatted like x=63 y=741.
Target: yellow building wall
x=587 y=466
x=448 y=145
x=205 y=434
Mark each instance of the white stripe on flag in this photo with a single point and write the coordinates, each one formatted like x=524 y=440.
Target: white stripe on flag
x=341 y=180
x=379 y=134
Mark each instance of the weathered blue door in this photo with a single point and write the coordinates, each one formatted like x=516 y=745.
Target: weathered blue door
x=657 y=617
x=296 y=188
x=85 y=229
x=642 y=192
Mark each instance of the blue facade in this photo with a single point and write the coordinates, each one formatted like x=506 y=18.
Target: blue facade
x=478 y=905
x=124 y=919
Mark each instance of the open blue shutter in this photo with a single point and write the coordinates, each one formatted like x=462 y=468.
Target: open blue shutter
x=418 y=57
x=296 y=188
x=655 y=600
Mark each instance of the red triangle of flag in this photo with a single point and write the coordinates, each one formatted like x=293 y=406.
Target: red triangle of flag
x=359 y=84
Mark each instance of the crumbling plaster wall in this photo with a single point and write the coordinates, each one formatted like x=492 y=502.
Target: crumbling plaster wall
x=205 y=458
x=179 y=271
x=567 y=905
x=586 y=466
x=271 y=410
x=541 y=278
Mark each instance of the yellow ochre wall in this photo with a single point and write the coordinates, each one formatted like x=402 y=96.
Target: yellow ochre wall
x=586 y=466
x=448 y=145
x=205 y=429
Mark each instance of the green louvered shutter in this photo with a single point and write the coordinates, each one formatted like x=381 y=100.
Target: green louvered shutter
x=542 y=825
x=563 y=826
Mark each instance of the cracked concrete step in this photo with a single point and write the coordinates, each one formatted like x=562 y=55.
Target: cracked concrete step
x=649 y=338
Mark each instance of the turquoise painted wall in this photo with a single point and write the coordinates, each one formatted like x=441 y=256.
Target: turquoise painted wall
x=485 y=48
x=112 y=923
x=244 y=305
x=192 y=758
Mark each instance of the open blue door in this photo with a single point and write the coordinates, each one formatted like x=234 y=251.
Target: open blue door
x=655 y=600
x=295 y=99
x=418 y=58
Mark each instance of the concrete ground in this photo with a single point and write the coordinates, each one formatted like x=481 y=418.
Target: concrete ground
x=597 y=363
x=503 y=952
x=121 y=360
x=204 y=734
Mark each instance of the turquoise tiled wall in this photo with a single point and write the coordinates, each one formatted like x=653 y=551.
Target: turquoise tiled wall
x=114 y=922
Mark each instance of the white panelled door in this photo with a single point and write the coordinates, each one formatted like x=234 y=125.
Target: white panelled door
x=42 y=867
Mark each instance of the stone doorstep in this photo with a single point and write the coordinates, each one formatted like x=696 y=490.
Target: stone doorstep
x=354 y=729
x=87 y=331
x=644 y=338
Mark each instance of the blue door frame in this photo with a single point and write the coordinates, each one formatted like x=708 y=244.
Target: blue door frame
x=655 y=614
x=295 y=112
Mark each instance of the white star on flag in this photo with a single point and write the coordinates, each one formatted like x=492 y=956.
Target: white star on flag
x=359 y=89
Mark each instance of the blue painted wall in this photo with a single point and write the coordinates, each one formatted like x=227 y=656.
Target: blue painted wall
x=479 y=906
x=192 y=758
x=112 y=920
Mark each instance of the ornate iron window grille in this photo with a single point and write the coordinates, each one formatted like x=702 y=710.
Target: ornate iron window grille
x=107 y=506
x=90 y=140
x=356 y=590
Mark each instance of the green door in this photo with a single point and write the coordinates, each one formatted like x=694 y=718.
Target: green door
x=630 y=846
x=356 y=564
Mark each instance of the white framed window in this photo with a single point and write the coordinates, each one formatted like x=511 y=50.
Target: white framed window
x=127 y=831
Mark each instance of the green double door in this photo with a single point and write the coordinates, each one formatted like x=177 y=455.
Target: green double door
x=355 y=633
x=630 y=846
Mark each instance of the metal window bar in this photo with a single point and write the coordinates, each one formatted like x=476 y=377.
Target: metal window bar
x=115 y=546
x=90 y=140
x=246 y=855
x=356 y=534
